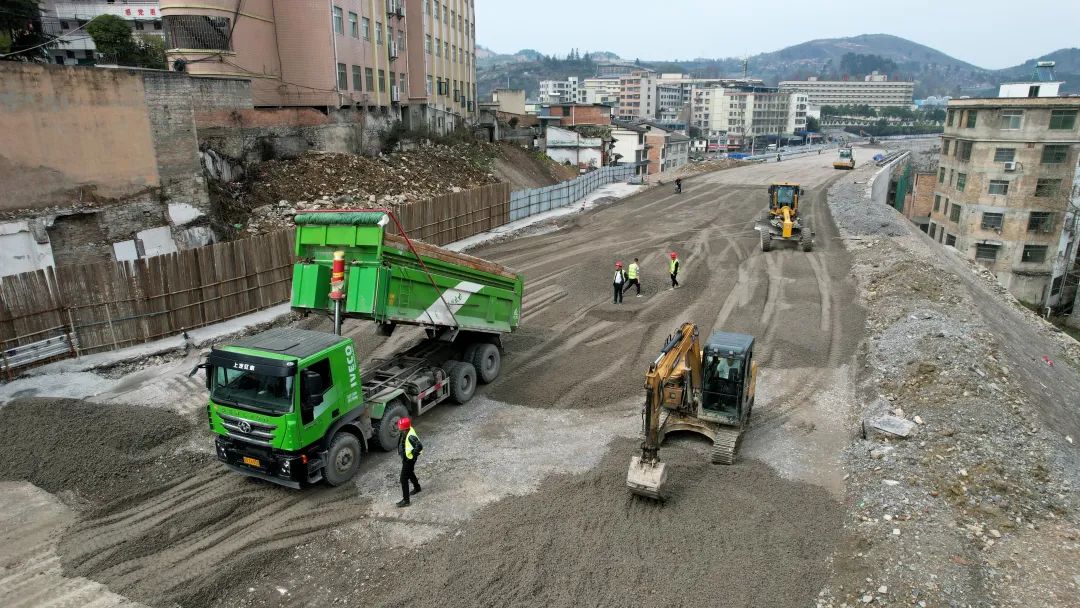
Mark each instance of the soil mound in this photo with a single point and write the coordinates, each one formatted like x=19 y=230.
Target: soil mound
x=100 y=452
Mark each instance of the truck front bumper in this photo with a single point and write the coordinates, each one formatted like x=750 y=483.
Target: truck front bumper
x=283 y=468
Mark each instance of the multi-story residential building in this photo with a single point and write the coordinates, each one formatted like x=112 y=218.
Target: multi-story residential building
x=601 y=90
x=875 y=90
x=687 y=84
x=67 y=18
x=413 y=59
x=1006 y=179
x=676 y=151
x=740 y=116
x=561 y=91
x=637 y=95
x=669 y=103
x=629 y=147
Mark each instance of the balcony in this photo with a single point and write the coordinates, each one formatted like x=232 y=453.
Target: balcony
x=395 y=8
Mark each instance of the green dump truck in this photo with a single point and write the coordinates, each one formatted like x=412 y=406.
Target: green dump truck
x=293 y=406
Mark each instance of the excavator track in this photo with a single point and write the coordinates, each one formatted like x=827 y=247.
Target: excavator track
x=726 y=444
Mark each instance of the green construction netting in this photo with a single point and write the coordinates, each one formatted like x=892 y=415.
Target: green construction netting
x=344 y=218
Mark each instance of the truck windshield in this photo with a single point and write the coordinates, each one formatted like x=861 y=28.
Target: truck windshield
x=247 y=389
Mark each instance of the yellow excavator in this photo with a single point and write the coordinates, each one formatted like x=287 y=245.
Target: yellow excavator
x=706 y=390
x=782 y=220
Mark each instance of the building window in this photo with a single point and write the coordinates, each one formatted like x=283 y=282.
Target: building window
x=436 y=10
x=446 y=49
x=992 y=221
x=1004 y=155
x=378 y=32
x=357 y=84
x=937 y=202
x=438 y=47
x=1055 y=286
x=197 y=32
x=369 y=79
x=986 y=251
x=950 y=240
x=961 y=181
x=1053 y=155
x=365 y=27
x=339 y=24
x=971 y=116
x=427 y=44
x=453 y=19
x=1062 y=119
x=954 y=213
x=1034 y=253
x=999 y=186
x=1047 y=187
x=382 y=81
x=941 y=175
x=1011 y=119
x=1040 y=221
x=945 y=147
x=445 y=14
x=342 y=77
x=932 y=231
x=139 y=26
x=354 y=26
x=429 y=85
x=965 y=150
x=949 y=119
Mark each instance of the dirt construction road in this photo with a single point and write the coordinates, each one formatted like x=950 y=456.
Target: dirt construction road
x=571 y=387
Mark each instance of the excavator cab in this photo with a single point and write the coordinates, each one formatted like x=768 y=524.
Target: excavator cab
x=728 y=379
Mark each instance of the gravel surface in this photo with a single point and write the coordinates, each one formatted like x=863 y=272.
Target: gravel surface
x=582 y=540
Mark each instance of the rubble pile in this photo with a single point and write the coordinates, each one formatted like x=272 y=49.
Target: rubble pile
x=320 y=180
x=952 y=471
x=707 y=166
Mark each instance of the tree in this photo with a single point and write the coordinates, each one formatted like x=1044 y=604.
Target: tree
x=151 y=52
x=22 y=37
x=113 y=39
x=813 y=125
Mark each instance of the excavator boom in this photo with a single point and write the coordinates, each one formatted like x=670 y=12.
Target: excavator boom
x=669 y=384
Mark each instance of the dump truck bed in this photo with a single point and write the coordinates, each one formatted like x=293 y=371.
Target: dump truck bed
x=387 y=283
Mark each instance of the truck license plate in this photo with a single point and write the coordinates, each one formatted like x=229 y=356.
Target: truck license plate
x=252 y=461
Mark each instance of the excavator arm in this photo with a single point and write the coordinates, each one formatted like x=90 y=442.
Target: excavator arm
x=669 y=384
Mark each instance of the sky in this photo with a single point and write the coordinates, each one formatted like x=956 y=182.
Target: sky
x=991 y=34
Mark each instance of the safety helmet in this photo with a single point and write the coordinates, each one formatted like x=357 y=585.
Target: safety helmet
x=674 y=255
x=618 y=264
x=404 y=423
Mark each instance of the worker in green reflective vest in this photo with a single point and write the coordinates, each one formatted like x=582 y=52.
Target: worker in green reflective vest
x=409 y=448
x=632 y=273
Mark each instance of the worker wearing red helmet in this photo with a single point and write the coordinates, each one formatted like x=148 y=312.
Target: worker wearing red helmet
x=409 y=448
x=673 y=268
x=618 y=282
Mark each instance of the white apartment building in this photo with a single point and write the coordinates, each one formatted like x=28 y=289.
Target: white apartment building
x=64 y=18
x=875 y=90
x=600 y=90
x=637 y=96
x=561 y=91
x=738 y=114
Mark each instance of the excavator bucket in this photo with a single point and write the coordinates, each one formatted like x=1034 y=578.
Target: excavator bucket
x=648 y=480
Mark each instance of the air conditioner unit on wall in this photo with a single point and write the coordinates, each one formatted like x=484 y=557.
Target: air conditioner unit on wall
x=395 y=94
x=1011 y=166
x=392 y=49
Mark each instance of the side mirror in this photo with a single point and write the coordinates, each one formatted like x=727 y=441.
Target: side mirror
x=311 y=386
x=205 y=366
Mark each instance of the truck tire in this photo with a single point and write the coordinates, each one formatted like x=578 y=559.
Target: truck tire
x=342 y=459
x=807 y=242
x=386 y=431
x=487 y=360
x=462 y=378
x=766 y=241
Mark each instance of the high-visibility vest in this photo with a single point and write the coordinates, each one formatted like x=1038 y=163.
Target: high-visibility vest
x=632 y=271
x=408 y=446
x=674 y=266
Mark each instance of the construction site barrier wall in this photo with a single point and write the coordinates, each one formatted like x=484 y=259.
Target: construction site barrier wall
x=524 y=203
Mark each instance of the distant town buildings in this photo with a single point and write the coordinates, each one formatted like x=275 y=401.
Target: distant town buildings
x=738 y=115
x=637 y=95
x=60 y=18
x=410 y=59
x=875 y=90
x=1008 y=186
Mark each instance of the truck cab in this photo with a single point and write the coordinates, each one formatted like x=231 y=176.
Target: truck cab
x=286 y=405
x=729 y=378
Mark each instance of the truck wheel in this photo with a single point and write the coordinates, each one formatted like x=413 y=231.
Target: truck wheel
x=807 y=243
x=488 y=362
x=462 y=381
x=343 y=459
x=766 y=241
x=386 y=431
